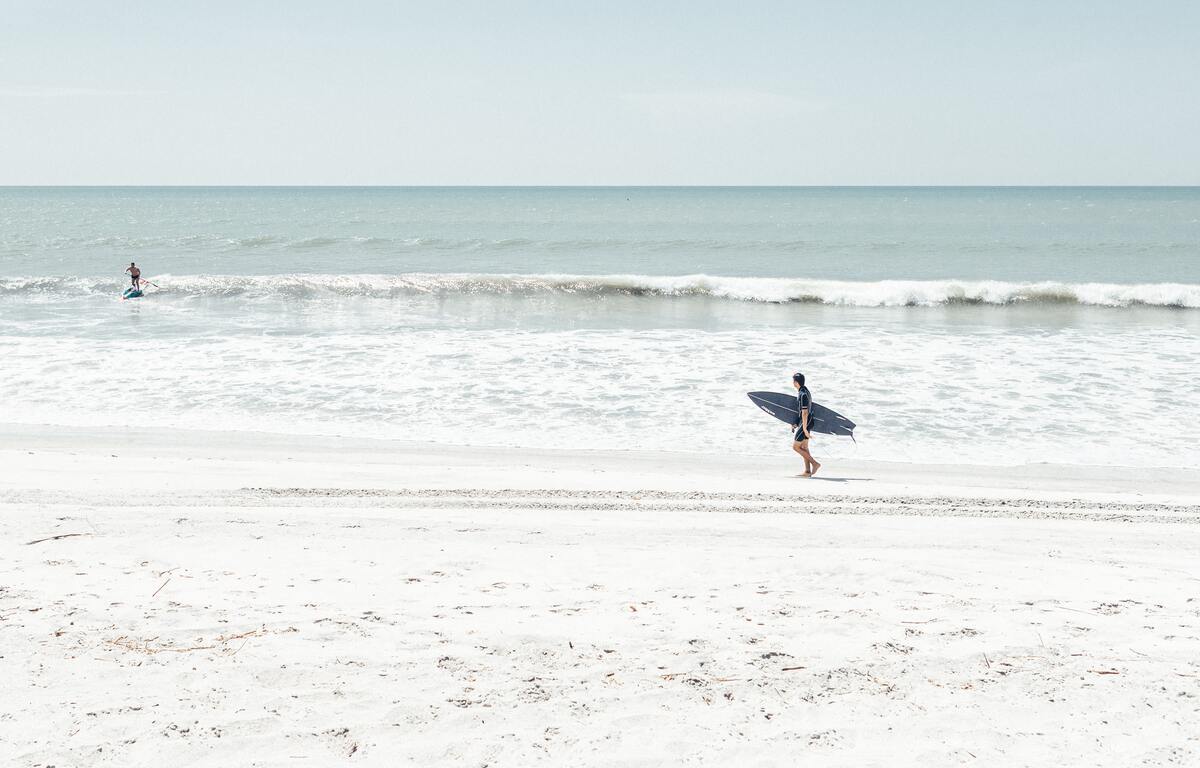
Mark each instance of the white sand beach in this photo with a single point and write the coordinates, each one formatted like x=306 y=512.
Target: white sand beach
x=217 y=599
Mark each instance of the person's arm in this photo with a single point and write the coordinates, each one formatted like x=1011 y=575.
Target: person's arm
x=804 y=406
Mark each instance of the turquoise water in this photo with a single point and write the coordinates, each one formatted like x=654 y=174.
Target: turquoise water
x=1110 y=235
x=978 y=324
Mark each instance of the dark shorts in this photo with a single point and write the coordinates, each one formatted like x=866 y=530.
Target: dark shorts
x=799 y=436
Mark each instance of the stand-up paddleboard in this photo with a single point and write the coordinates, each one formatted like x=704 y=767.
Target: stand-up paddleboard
x=132 y=293
x=784 y=408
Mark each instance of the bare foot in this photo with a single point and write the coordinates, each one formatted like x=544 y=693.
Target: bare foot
x=806 y=474
x=814 y=469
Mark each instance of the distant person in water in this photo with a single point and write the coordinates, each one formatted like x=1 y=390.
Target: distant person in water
x=803 y=424
x=135 y=275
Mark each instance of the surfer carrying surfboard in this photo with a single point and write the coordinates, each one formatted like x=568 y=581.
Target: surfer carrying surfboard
x=803 y=424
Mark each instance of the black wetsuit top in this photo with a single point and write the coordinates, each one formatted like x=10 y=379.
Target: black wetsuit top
x=803 y=400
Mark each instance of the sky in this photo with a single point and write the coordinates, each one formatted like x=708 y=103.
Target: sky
x=572 y=92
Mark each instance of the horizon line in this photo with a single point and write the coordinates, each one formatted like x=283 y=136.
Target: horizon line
x=599 y=186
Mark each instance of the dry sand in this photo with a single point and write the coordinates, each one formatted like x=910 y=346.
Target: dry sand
x=259 y=600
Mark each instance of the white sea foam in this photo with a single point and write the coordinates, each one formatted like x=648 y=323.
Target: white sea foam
x=884 y=293
x=917 y=396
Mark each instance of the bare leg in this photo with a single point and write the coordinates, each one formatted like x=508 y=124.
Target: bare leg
x=801 y=447
x=809 y=460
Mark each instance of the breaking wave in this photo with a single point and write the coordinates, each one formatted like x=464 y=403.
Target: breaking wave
x=885 y=293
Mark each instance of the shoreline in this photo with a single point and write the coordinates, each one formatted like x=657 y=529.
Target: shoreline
x=70 y=459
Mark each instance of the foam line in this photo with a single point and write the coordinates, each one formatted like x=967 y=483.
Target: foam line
x=885 y=293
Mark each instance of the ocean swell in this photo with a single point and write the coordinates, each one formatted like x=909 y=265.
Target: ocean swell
x=885 y=293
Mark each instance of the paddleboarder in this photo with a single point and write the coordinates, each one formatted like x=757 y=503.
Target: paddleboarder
x=135 y=275
x=803 y=424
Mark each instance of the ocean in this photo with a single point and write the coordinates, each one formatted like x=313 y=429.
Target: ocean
x=954 y=325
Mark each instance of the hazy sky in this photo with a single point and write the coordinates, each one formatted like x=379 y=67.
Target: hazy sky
x=1045 y=92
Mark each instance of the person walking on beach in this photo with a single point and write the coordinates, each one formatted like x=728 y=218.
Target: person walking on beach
x=803 y=424
x=135 y=275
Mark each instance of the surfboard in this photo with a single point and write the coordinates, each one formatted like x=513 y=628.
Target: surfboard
x=783 y=407
x=135 y=293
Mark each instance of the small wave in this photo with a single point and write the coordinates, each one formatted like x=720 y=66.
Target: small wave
x=885 y=293
x=313 y=242
x=254 y=241
x=66 y=287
